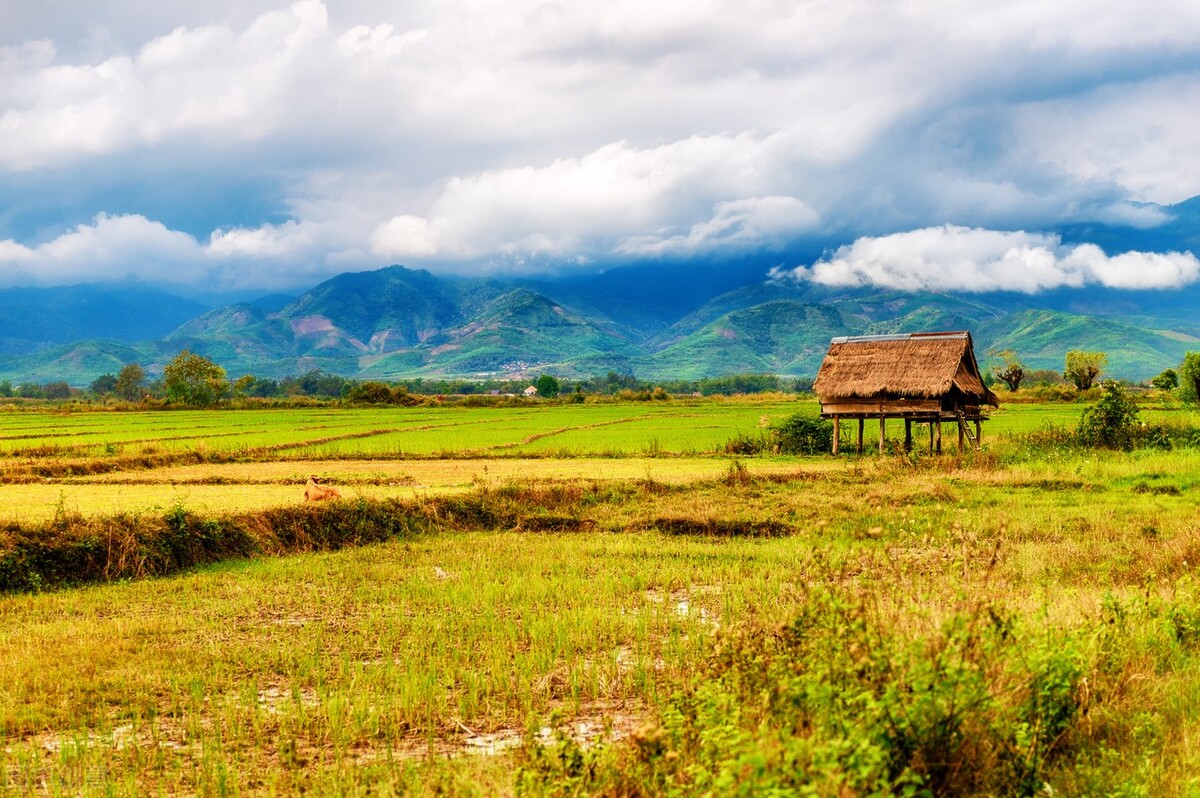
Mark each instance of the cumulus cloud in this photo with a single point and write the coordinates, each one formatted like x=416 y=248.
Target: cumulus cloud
x=954 y=258
x=456 y=135
x=133 y=247
x=119 y=247
x=620 y=200
x=736 y=225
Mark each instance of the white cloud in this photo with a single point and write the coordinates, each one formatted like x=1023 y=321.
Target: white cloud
x=459 y=134
x=736 y=225
x=134 y=247
x=205 y=79
x=970 y=259
x=617 y=201
x=114 y=247
x=404 y=237
x=268 y=241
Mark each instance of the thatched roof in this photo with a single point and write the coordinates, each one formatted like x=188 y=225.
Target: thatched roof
x=912 y=365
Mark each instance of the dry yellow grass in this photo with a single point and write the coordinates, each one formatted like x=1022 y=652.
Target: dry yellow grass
x=239 y=487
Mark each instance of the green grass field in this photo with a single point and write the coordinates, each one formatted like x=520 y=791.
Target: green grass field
x=648 y=615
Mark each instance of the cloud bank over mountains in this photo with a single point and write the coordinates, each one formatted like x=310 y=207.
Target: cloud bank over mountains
x=259 y=144
x=951 y=258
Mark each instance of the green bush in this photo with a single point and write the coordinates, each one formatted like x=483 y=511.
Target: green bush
x=1111 y=423
x=803 y=434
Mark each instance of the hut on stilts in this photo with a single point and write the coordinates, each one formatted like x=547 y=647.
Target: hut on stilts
x=918 y=377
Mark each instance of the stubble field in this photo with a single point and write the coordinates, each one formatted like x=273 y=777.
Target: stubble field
x=597 y=599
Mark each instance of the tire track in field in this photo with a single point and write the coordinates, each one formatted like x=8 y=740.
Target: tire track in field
x=45 y=468
x=537 y=436
x=370 y=433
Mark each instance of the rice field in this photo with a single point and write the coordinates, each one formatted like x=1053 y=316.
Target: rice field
x=575 y=648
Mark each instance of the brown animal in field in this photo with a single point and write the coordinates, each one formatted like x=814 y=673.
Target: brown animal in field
x=314 y=492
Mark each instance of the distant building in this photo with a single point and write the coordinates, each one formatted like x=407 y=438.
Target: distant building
x=922 y=377
x=531 y=390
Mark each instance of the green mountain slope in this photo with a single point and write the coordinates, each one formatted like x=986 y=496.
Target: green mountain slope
x=399 y=322
x=784 y=336
x=1041 y=338
x=516 y=332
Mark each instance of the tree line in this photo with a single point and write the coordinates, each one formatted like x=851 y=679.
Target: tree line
x=194 y=380
x=1083 y=369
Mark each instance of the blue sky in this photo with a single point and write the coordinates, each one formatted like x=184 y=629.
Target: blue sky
x=254 y=145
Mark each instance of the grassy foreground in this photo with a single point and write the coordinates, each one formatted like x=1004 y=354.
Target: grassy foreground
x=657 y=618
x=989 y=625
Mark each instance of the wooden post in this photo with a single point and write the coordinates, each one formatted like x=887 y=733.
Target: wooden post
x=962 y=434
x=837 y=432
x=882 y=432
x=939 y=436
x=860 y=434
x=931 y=437
x=978 y=439
x=908 y=434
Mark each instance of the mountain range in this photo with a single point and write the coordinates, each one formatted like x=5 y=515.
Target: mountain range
x=656 y=320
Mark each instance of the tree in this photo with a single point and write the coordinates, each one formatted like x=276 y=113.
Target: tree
x=129 y=382
x=57 y=390
x=1011 y=371
x=6 y=388
x=370 y=393
x=104 y=384
x=1189 y=378
x=192 y=379
x=1084 y=367
x=1167 y=381
x=547 y=386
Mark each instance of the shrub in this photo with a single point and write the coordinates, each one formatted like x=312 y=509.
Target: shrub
x=1111 y=423
x=803 y=434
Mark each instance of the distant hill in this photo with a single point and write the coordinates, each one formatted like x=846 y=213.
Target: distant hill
x=399 y=322
x=657 y=320
x=36 y=318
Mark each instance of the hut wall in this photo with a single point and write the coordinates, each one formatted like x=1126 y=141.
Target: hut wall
x=874 y=407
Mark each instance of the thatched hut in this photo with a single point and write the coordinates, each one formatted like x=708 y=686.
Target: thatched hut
x=922 y=377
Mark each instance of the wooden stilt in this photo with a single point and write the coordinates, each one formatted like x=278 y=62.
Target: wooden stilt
x=861 y=421
x=931 y=437
x=939 y=436
x=961 y=435
x=882 y=432
x=837 y=432
x=978 y=439
x=908 y=434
